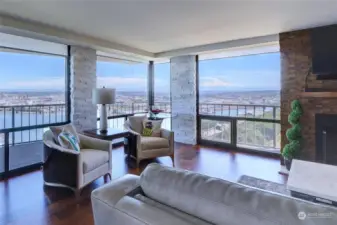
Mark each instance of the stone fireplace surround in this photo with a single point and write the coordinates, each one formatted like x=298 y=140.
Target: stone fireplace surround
x=295 y=51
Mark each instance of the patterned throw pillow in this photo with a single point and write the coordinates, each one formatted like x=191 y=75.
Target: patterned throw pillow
x=69 y=141
x=67 y=127
x=151 y=128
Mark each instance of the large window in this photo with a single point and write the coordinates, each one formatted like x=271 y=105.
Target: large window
x=162 y=96
x=32 y=93
x=130 y=81
x=242 y=95
x=162 y=82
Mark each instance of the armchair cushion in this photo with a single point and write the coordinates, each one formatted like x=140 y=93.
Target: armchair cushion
x=93 y=159
x=136 y=123
x=149 y=143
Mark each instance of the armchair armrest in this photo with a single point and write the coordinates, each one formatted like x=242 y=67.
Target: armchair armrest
x=128 y=128
x=167 y=134
x=94 y=143
x=52 y=145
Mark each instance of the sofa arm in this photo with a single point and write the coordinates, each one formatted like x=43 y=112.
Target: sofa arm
x=111 y=193
x=94 y=143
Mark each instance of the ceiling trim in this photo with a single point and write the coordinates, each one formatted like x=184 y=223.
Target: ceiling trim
x=31 y=29
x=26 y=28
x=219 y=46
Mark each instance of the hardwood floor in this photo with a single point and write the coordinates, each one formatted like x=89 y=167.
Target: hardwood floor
x=24 y=199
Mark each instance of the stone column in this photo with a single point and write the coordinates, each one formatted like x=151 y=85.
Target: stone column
x=184 y=99
x=82 y=81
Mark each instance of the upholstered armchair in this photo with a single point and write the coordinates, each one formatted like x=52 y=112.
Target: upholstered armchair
x=74 y=170
x=150 y=147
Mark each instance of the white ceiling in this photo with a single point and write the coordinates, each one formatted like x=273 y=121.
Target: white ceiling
x=158 y=26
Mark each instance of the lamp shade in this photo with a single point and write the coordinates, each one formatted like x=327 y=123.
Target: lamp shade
x=103 y=96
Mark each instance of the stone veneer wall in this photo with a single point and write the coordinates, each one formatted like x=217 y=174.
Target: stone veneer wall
x=184 y=99
x=295 y=49
x=83 y=80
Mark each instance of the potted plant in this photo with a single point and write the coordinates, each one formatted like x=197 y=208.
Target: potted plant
x=292 y=149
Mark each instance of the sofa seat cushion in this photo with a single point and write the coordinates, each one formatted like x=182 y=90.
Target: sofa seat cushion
x=93 y=159
x=149 y=143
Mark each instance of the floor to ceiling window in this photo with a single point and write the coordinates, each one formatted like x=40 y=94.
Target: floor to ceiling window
x=32 y=95
x=240 y=101
x=162 y=96
x=130 y=81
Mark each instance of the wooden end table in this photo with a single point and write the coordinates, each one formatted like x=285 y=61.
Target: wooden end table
x=130 y=140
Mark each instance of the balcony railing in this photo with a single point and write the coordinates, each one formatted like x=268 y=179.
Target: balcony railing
x=118 y=112
x=246 y=126
x=33 y=118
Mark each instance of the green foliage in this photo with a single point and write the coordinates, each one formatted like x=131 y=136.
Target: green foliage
x=294 y=133
x=292 y=149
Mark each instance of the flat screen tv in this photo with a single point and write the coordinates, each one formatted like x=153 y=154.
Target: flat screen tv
x=324 y=52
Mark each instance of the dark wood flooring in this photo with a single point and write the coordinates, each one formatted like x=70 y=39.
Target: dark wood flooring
x=24 y=200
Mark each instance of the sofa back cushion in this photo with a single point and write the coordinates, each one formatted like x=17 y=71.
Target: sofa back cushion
x=222 y=202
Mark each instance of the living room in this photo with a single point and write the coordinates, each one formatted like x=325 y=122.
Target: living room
x=99 y=116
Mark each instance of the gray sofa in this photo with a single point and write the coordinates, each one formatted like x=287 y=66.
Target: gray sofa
x=167 y=196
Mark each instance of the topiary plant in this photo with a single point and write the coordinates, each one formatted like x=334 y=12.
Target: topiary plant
x=292 y=149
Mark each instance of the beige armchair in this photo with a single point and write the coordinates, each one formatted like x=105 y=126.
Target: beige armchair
x=150 y=147
x=74 y=170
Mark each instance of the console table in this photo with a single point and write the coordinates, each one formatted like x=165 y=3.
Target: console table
x=130 y=139
x=313 y=181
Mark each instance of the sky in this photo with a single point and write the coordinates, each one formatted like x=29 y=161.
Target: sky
x=28 y=72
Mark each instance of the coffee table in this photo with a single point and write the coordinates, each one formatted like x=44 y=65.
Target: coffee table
x=129 y=139
x=313 y=181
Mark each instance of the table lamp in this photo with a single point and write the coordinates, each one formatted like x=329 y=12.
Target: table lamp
x=103 y=96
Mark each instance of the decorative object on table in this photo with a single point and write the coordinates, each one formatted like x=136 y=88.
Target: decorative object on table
x=69 y=141
x=103 y=96
x=151 y=128
x=292 y=149
x=154 y=113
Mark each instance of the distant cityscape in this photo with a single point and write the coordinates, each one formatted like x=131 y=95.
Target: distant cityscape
x=249 y=133
x=268 y=97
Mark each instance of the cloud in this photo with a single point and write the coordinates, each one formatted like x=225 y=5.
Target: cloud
x=214 y=82
x=122 y=83
x=48 y=83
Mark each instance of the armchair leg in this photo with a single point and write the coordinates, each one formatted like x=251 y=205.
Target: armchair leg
x=106 y=177
x=172 y=157
x=78 y=194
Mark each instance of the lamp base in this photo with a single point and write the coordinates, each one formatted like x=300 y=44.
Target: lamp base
x=103 y=120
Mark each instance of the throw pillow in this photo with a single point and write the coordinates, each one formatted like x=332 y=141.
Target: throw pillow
x=151 y=128
x=69 y=141
x=67 y=127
